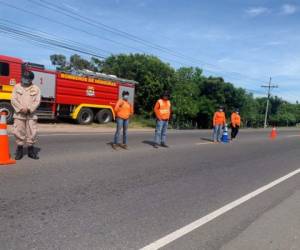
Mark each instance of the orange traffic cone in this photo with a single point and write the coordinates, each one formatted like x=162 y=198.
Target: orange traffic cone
x=4 y=143
x=273 y=133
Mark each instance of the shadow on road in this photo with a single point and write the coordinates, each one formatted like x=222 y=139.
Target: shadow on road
x=207 y=139
x=151 y=143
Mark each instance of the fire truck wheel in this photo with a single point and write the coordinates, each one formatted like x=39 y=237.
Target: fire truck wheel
x=5 y=106
x=104 y=116
x=85 y=116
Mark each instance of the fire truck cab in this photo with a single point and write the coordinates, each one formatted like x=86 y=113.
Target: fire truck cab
x=84 y=96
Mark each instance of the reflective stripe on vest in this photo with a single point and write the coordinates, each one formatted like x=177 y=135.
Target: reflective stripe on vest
x=3 y=119
x=3 y=132
x=164 y=109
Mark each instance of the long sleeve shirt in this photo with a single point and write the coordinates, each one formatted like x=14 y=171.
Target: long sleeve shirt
x=28 y=98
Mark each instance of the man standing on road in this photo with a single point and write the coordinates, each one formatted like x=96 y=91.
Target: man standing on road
x=123 y=110
x=162 y=110
x=235 y=123
x=26 y=98
x=219 y=122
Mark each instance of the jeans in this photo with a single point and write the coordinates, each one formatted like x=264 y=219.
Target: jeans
x=218 y=132
x=161 y=131
x=121 y=123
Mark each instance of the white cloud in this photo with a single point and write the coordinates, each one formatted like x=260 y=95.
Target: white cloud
x=273 y=43
x=257 y=11
x=288 y=9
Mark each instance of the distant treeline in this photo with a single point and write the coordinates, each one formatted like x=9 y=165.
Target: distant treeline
x=195 y=97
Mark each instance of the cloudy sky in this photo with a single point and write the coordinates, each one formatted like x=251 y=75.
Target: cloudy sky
x=244 y=41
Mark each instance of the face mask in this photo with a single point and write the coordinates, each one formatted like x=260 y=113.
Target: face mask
x=126 y=97
x=26 y=82
x=221 y=110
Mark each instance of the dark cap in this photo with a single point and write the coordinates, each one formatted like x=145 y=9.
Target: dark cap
x=28 y=75
x=166 y=94
x=125 y=93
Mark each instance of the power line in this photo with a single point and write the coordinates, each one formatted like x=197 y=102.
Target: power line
x=9 y=35
x=123 y=34
x=43 y=42
x=37 y=39
x=63 y=24
x=89 y=33
x=99 y=25
x=46 y=41
x=77 y=44
x=85 y=31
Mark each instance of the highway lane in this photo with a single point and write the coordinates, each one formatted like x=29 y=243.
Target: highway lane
x=84 y=195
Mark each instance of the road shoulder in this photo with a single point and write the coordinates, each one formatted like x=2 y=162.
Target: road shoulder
x=279 y=228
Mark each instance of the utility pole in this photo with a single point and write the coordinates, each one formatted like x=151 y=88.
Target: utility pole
x=269 y=87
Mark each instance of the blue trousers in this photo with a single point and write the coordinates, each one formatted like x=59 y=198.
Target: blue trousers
x=121 y=123
x=218 y=131
x=161 y=131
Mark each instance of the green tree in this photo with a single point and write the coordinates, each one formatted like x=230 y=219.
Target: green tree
x=75 y=62
x=185 y=94
x=195 y=97
x=60 y=61
x=153 y=76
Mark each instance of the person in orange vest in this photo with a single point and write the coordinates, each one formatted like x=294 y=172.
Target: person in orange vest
x=219 y=122
x=162 y=110
x=123 y=110
x=235 y=123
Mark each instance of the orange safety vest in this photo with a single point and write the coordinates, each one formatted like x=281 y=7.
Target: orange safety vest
x=162 y=109
x=235 y=119
x=219 y=118
x=123 y=109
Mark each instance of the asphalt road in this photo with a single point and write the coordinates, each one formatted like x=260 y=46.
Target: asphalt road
x=82 y=194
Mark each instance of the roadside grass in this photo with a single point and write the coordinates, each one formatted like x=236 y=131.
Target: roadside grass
x=136 y=122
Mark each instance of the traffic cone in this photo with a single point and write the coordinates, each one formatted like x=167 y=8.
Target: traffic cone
x=273 y=133
x=225 y=138
x=4 y=142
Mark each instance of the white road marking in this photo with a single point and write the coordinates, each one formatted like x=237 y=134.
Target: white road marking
x=202 y=221
x=89 y=133
x=203 y=143
x=65 y=134
x=289 y=136
x=83 y=133
x=72 y=134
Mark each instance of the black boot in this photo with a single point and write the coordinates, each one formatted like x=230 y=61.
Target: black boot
x=19 y=153
x=32 y=154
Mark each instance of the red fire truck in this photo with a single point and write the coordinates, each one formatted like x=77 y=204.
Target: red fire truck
x=84 y=96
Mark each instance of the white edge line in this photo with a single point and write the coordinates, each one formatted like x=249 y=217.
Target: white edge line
x=69 y=134
x=202 y=221
x=66 y=134
x=203 y=143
